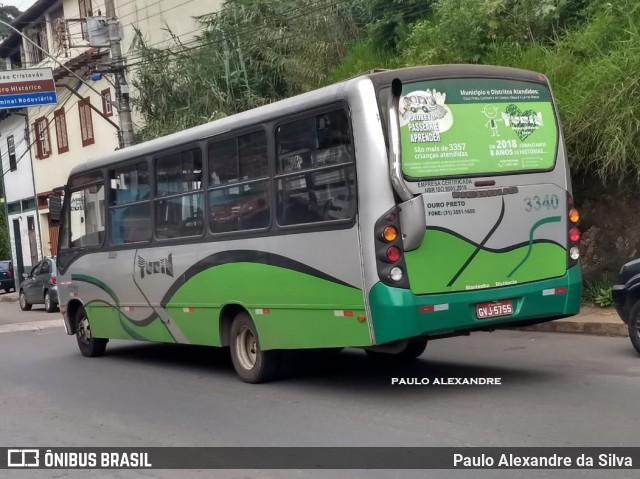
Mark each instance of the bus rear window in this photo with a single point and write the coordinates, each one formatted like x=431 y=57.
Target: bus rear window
x=476 y=127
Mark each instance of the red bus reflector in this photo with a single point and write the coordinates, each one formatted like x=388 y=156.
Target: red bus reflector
x=553 y=291
x=343 y=313
x=433 y=308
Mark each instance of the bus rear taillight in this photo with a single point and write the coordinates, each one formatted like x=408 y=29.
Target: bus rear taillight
x=573 y=233
x=389 y=251
x=393 y=254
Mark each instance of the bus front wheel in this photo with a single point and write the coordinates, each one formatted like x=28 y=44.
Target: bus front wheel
x=251 y=363
x=89 y=346
x=412 y=350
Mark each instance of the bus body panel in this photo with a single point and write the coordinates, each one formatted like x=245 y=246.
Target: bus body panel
x=489 y=237
x=175 y=293
x=490 y=241
x=399 y=314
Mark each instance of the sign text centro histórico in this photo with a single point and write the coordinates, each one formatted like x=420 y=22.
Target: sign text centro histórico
x=25 y=88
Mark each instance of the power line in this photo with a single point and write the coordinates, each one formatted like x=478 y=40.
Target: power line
x=45 y=115
x=249 y=30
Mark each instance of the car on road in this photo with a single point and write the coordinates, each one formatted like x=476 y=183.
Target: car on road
x=626 y=299
x=40 y=286
x=7 y=281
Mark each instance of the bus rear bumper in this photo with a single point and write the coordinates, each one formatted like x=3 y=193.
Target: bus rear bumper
x=400 y=314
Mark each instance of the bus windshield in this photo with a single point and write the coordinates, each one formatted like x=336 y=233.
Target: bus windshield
x=476 y=127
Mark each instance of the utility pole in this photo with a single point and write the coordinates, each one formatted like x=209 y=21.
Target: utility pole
x=122 y=89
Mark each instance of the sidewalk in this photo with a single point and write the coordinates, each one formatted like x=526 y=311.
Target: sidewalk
x=599 y=321
x=590 y=320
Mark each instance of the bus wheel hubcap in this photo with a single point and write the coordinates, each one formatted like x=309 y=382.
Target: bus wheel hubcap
x=83 y=331
x=247 y=348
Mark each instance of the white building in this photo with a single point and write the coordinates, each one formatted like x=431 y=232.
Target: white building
x=22 y=218
x=84 y=122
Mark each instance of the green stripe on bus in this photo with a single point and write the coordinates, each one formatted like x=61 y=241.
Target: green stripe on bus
x=108 y=322
x=432 y=266
x=301 y=308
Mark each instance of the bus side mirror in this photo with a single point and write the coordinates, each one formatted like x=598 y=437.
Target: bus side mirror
x=413 y=222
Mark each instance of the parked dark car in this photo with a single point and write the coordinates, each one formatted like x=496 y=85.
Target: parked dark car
x=7 y=281
x=40 y=286
x=626 y=299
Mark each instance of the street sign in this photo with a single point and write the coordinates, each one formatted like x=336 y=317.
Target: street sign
x=25 y=88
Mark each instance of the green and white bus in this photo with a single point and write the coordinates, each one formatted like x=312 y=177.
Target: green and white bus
x=378 y=213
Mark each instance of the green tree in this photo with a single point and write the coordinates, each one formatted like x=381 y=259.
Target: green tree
x=5 y=248
x=8 y=14
x=250 y=53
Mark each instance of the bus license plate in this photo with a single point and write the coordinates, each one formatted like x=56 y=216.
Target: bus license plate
x=494 y=309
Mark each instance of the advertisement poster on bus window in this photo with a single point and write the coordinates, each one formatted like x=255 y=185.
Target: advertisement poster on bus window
x=476 y=127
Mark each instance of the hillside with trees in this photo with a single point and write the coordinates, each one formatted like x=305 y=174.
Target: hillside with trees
x=253 y=53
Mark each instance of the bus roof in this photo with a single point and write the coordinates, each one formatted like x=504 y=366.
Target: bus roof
x=328 y=94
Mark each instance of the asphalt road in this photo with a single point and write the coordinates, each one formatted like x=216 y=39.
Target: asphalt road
x=557 y=390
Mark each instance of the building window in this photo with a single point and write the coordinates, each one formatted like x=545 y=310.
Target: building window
x=84 y=7
x=43 y=140
x=61 y=130
x=14 y=208
x=29 y=204
x=37 y=34
x=107 y=106
x=11 y=148
x=86 y=123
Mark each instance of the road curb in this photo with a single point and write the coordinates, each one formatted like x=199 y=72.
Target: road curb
x=31 y=326
x=580 y=327
x=9 y=298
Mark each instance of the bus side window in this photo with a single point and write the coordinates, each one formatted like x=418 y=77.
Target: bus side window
x=84 y=225
x=179 y=198
x=325 y=189
x=130 y=204
x=239 y=193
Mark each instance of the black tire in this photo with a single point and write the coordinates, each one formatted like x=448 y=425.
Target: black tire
x=49 y=306
x=7 y=290
x=252 y=364
x=89 y=347
x=634 y=326
x=413 y=350
x=24 y=305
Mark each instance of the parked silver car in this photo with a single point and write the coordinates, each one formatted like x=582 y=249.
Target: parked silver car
x=40 y=286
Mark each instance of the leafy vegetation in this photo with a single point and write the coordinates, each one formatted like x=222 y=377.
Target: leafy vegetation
x=597 y=293
x=249 y=54
x=5 y=248
x=255 y=52
x=8 y=13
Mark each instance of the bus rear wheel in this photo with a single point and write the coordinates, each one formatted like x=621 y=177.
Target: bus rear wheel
x=89 y=346
x=412 y=350
x=251 y=363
